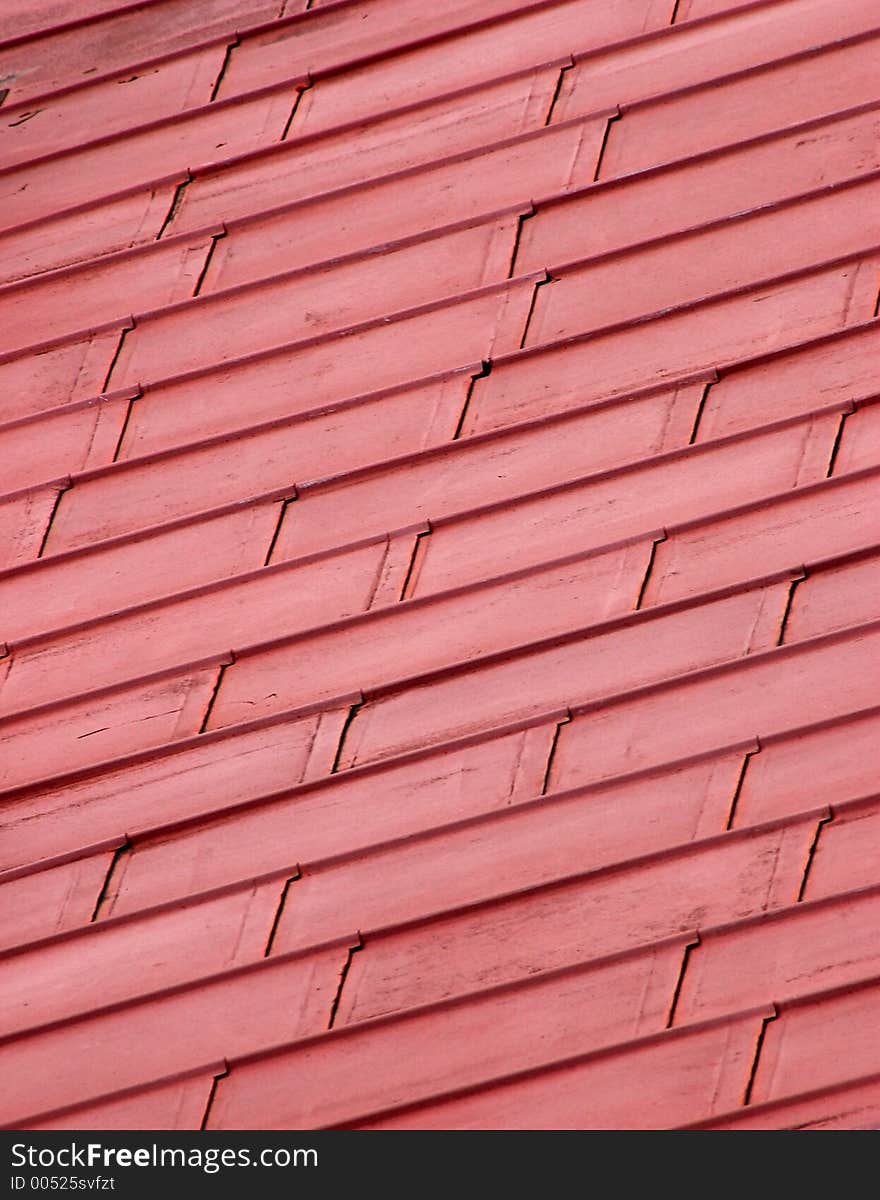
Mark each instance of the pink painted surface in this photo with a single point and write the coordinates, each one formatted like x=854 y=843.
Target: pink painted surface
x=674 y=1076
x=439 y=633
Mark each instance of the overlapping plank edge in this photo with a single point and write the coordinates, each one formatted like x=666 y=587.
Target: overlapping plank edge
x=438 y=564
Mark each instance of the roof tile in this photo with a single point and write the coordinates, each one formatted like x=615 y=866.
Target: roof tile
x=579 y=670
x=89 y=728
x=436 y=569
x=812 y=681
x=693 y=191
x=695 y=337
x=859 y=441
x=183 y=780
x=77 y=437
x=89 y=110
x=461 y=123
x=855 y=1105
x=61 y=897
x=459 y=1045
x=476 y=473
x=734 y=254
x=522 y=929
x=201 y=136
x=836 y=761
x=675 y=1081
x=97 y=293
x=24 y=519
x=834 y=597
x=341 y=814
x=829 y=370
x=800 y=950
x=845 y=851
x=97 y=580
x=65 y=52
x=746 y=105
x=278 y=603
x=386 y=423
x=308 y=304
x=177 y=1105
x=597 y=510
x=45 y=377
x=85 y=233
x=823 y=1042
x=723 y=549
x=104 y=964
x=184 y=1028
x=735 y=40
x=533 y=32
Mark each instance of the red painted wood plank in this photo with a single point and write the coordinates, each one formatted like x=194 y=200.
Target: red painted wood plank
x=65 y=589
x=736 y=179
x=71 y=440
x=821 y=521
x=324 y=371
x=277 y=602
x=382 y=424
x=342 y=221
x=24 y=519
x=423 y=116
x=116 y=224
x=414 y=639
x=99 y=170
x=676 y=271
x=829 y=1041
x=245 y=186
x=622 y=504
x=66 y=55
x=846 y=854
x=572 y=921
x=840 y=761
x=830 y=371
x=148 y=93
x=59 y=305
x=38 y=379
x=385 y=144
x=29 y=18
x=832 y=598
x=534 y=34
x=532 y=844
x=88 y=730
x=860 y=441
x=691 y=10
x=211 y=329
x=517 y=461
x=341 y=34
x=140 y=1042
x=460 y=1045
x=108 y=964
x=64 y=897
x=694 y=338
x=347 y=813
x=745 y=106
x=852 y=1106
x=178 y=1105
x=802 y=950
x=649 y=692
x=569 y=673
x=737 y=40
x=678 y=1081
x=169 y=784
x=241 y=258
x=785 y=688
